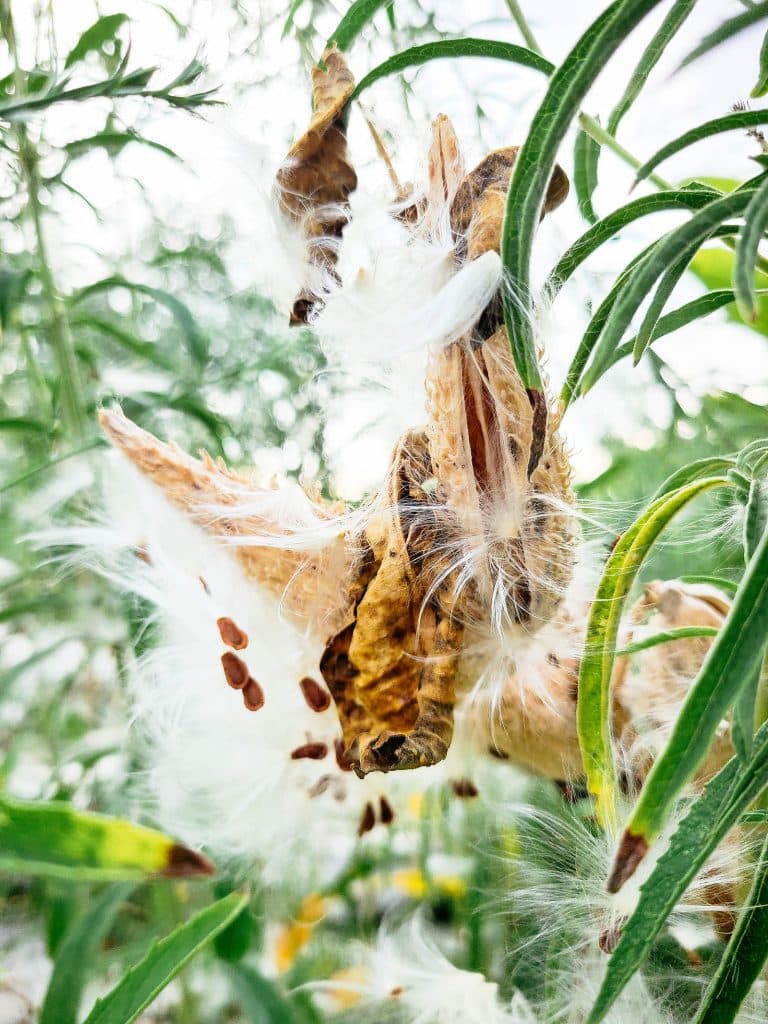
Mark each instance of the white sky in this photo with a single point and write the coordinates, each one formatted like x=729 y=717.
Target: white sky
x=229 y=156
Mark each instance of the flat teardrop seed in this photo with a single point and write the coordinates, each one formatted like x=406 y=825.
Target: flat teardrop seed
x=253 y=695
x=235 y=670
x=231 y=634
x=317 y=698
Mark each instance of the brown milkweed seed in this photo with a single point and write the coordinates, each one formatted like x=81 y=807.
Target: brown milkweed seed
x=253 y=695
x=386 y=813
x=313 y=751
x=316 y=697
x=367 y=820
x=464 y=788
x=235 y=670
x=231 y=634
x=341 y=757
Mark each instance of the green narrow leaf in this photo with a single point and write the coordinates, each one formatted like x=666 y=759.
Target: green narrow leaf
x=354 y=21
x=79 y=947
x=292 y=12
x=649 y=59
x=586 y=153
x=696 y=309
x=728 y=123
x=710 y=466
x=714 y=267
x=605 y=230
x=744 y=958
x=102 y=31
x=114 y=142
x=535 y=163
x=679 y=243
x=593 y=702
x=669 y=281
x=760 y=88
x=729 y=663
x=450 y=48
x=727 y=30
x=681 y=633
x=716 y=581
x=54 y=839
x=747 y=252
x=709 y=819
x=163 y=961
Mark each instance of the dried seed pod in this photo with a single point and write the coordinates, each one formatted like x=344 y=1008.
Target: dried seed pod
x=315 y=181
x=310 y=584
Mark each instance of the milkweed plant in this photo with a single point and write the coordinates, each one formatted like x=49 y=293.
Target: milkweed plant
x=481 y=736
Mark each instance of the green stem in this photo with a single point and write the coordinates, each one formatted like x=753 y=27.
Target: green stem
x=522 y=24
x=73 y=412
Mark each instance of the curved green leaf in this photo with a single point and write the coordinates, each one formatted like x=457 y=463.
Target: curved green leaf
x=691 y=197
x=75 y=955
x=450 y=48
x=669 y=281
x=102 y=31
x=760 y=88
x=54 y=839
x=743 y=960
x=727 y=123
x=755 y=224
x=729 y=664
x=593 y=703
x=354 y=21
x=586 y=153
x=679 y=243
x=666 y=637
x=727 y=30
x=708 y=821
x=710 y=466
x=163 y=961
x=535 y=163
x=649 y=59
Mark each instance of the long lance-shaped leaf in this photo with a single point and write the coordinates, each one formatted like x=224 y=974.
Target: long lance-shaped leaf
x=450 y=48
x=586 y=153
x=755 y=223
x=535 y=163
x=744 y=957
x=708 y=821
x=728 y=123
x=581 y=376
x=755 y=524
x=690 y=197
x=667 y=637
x=163 y=961
x=56 y=840
x=696 y=309
x=75 y=956
x=699 y=469
x=727 y=30
x=685 y=239
x=669 y=281
x=728 y=665
x=593 y=708
x=354 y=21
x=649 y=59
x=760 y=88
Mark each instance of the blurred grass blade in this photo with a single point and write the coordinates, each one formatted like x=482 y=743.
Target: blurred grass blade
x=691 y=197
x=709 y=819
x=259 y=998
x=727 y=123
x=760 y=88
x=727 y=30
x=449 y=48
x=729 y=664
x=681 y=633
x=743 y=960
x=593 y=707
x=649 y=59
x=54 y=839
x=535 y=163
x=360 y=12
x=93 y=39
x=586 y=153
x=747 y=252
x=76 y=954
x=163 y=961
